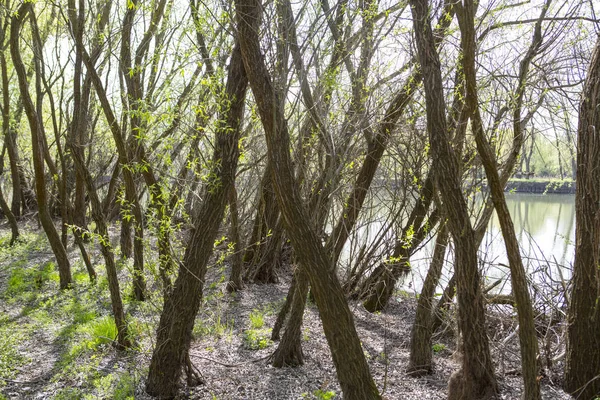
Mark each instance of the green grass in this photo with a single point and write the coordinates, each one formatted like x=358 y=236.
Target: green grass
x=215 y=325
x=257 y=339
x=89 y=336
x=113 y=386
x=24 y=278
x=320 y=394
x=77 y=323
x=10 y=357
x=257 y=319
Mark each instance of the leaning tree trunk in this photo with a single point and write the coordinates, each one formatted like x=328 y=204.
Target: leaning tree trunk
x=64 y=267
x=378 y=289
x=174 y=332
x=420 y=361
x=123 y=339
x=476 y=378
x=289 y=351
x=352 y=370
x=583 y=346
x=527 y=333
x=9 y=139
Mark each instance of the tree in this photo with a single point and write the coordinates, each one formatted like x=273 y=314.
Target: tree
x=37 y=139
x=582 y=371
x=174 y=332
x=476 y=378
x=527 y=332
x=352 y=369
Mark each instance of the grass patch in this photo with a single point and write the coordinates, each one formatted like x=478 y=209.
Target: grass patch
x=213 y=326
x=113 y=386
x=92 y=335
x=257 y=339
x=10 y=357
x=257 y=319
x=24 y=279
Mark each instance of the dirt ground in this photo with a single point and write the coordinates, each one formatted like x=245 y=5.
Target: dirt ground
x=222 y=350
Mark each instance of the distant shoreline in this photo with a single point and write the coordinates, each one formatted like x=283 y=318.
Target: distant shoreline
x=541 y=186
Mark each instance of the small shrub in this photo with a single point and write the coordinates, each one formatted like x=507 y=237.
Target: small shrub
x=319 y=394
x=257 y=339
x=257 y=319
x=324 y=395
x=438 y=347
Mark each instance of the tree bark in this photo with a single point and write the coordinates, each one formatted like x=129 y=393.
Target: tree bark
x=352 y=370
x=9 y=140
x=174 y=333
x=289 y=351
x=263 y=255
x=476 y=379
x=527 y=333
x=582 y=373
x=420 y=361
x=237 y=264
x=37 y=131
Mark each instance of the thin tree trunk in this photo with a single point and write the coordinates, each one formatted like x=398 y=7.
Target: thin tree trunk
x=420 y=361
x=527 y=333
x=237 y=264
x=263 y=254
x=12 y=221
x=123 y=339
x=64 y=268
x=13 y=153
x=285 y=309
x=289 y=351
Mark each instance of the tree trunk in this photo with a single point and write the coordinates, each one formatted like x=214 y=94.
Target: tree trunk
x=420 y=362
x=174 y=333
x=476 y=378
x=289 y=351
x=125 y=241
x=237 y=264
x=527 y=333
x=123 y=339
x=352 y=370
x=12 y=221
x=582 y=371
x=263 y=254
x=378 y=289
x=64 y=268
x=285 y=309
x=13 y=154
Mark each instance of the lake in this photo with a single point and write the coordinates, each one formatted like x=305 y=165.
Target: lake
x=545 y=227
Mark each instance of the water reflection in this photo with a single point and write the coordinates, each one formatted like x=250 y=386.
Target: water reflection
x=545 y=227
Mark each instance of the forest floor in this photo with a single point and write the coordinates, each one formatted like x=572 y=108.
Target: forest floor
x=57 y=345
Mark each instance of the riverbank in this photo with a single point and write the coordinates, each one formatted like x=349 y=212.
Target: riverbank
x=541 y=186
x=58 y=344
